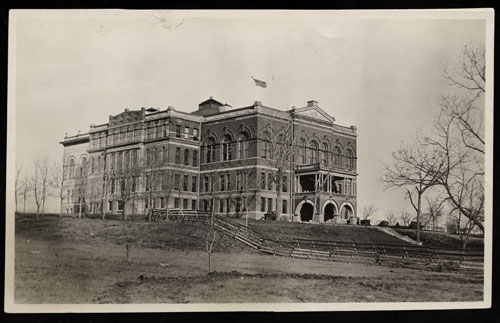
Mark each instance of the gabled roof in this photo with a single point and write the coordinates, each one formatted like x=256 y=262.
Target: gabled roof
x=312 y=110
x=211 y=100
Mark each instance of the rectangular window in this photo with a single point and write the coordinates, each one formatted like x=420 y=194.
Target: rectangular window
x=164 y=181
x=176 y=203
x=185 y=203
x=238 y=204
x=207 y=185
x=228 y=206
x=146 y=203
x=185 y=183
x=178 y=131
x=229 y=187
x=263 y=181
x=270 y=182
x=186 y=132
x=269 y=204
x=110 y=206
x=239 y=183
x=193 y=204
x=119 y=161
x=177 y=179
x=265 y=149
x=195 y=134
x=284 y=208
x=221 y=206
x=285 y=184
x=222 y=187
x=193 y=184
x=148 y=183
x=162 y=203
x=263 y=204
x=165 y=130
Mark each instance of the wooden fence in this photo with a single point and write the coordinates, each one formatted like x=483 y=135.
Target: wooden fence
x=406 y=256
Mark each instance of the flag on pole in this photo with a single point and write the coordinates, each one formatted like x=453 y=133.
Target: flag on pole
x=260 y=83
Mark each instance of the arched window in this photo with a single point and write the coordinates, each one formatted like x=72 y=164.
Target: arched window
x=313 y=152
x=72 y=168
x=302 y=151
x=349 y=159
x=337 y=156
x=226 y=148
x=83 y=167
x=195 y=158
x=324 y=154
x=243 y=145
x=210 y=150
x=177 y=155
x=186 y=156
x=164 y=154
x=266 y=145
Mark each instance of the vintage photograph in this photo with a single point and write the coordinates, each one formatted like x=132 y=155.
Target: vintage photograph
x=249 y=160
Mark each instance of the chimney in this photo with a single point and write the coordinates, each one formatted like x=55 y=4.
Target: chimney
x=126 y=110
x=257 y=103
x=312 y=103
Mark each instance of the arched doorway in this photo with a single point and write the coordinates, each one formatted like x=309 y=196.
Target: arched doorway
x=347 y=211
x=306 y=212
x=330 y=212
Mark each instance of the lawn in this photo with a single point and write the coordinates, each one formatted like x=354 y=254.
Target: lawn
x=442 y=239
x=82 y=261
x=281 y=230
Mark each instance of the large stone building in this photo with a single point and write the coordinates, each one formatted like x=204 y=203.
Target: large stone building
x=250 y=160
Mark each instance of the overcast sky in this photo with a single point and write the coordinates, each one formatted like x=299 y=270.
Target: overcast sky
x=382 y=75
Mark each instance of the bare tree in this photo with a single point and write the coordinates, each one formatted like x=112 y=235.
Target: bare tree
x=152 y=175
x=405 y=218
x=25 y=189
x=212 y=236
x=57 y=182
x=245 y=192
x=464 y=227
x=434 y=210
x=81 y=182
x=368 y=211
x=280 y=143
x=18 y=185
x=391 y=218
x=459 y=136
x=412 y=168
x=128 y=178
x=39 y=181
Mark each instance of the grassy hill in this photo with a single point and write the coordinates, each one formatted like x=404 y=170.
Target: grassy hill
x=157 y=235
x=442 y=239
x=348 y=233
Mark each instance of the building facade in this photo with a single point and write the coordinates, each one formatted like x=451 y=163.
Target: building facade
x=237 y=161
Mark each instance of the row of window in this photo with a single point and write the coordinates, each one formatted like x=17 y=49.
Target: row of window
x=267 y=182
x=159 y=155
x=238 y=205
x=225 y=182
x=153 y=130
x=308 y=155
x=158 y=181
x=226 y=153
